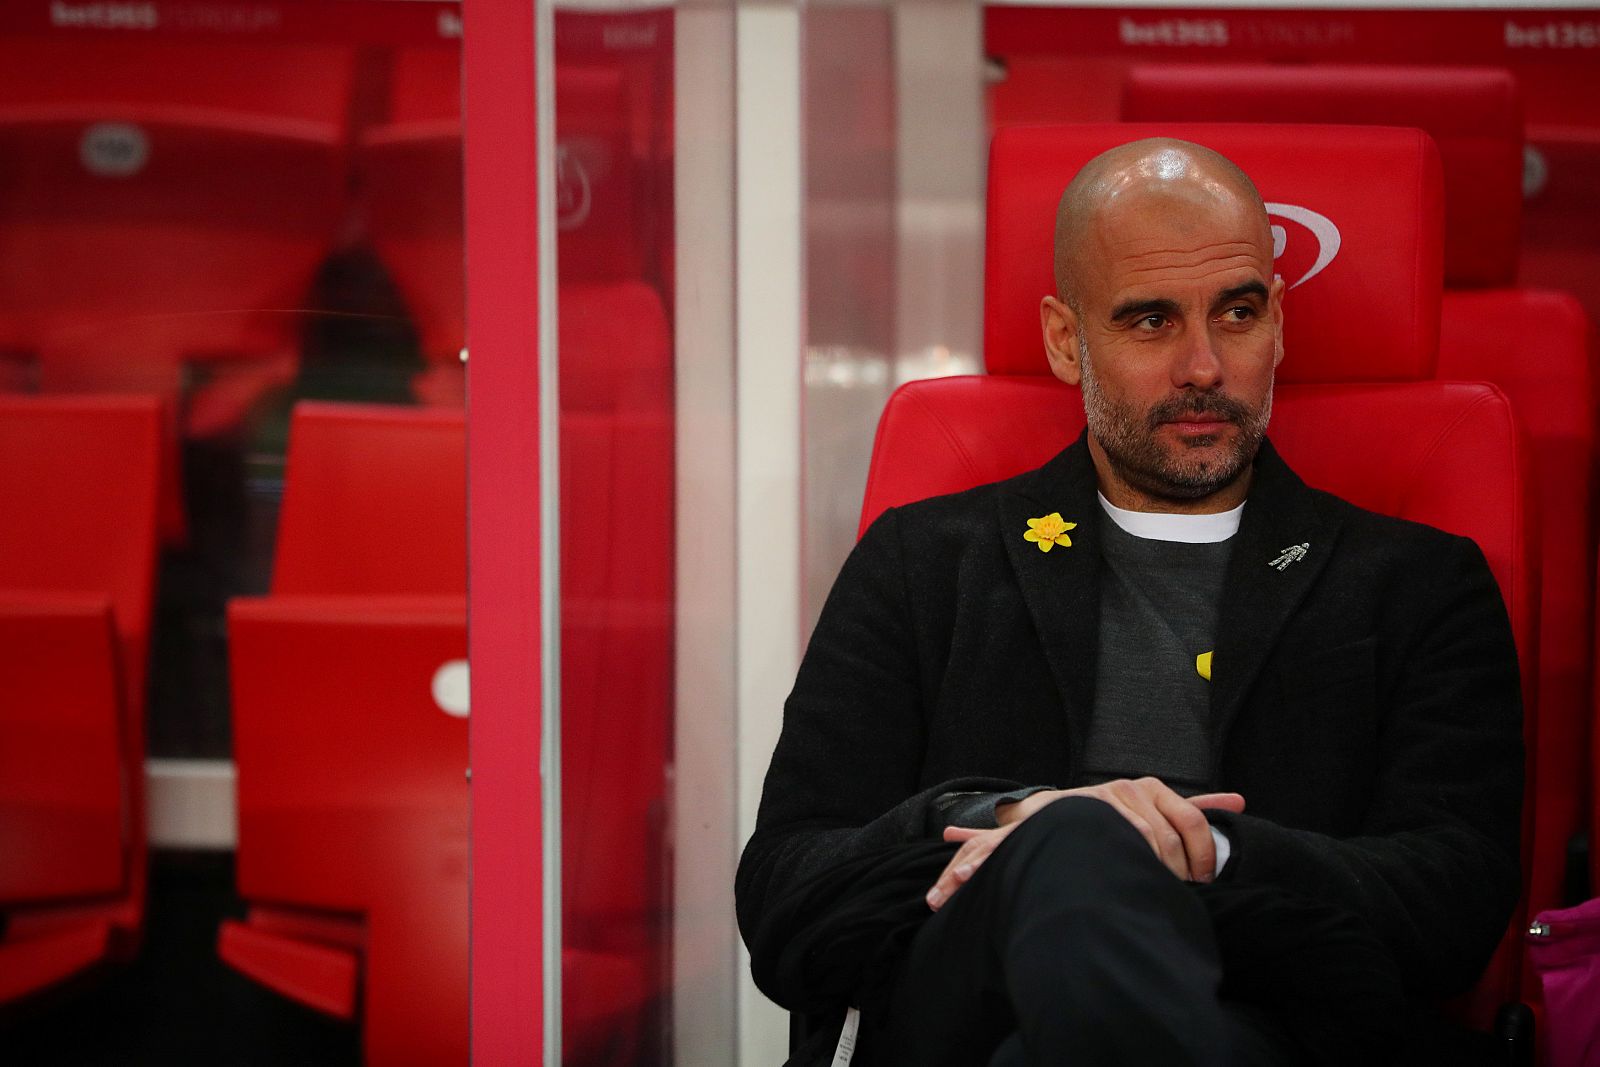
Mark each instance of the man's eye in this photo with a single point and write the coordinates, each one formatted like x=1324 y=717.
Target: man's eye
x=1241 y=313
x=1153 y=321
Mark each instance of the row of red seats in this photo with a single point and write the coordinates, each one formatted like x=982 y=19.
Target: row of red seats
x=350 y=712
x=167 y=206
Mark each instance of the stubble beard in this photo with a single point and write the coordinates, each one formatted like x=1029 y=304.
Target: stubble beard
x=1129 y=438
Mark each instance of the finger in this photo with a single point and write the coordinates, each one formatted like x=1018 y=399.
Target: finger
x=961 y=833
x=955 y=874
x=1171 y=857
x=1200 y=848
x=1220 y=801
x=1137 y=799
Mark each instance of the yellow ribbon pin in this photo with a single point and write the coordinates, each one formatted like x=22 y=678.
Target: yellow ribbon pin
x=1202 y=665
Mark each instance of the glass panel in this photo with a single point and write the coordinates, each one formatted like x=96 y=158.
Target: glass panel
x=643 y=198
x=613 y=201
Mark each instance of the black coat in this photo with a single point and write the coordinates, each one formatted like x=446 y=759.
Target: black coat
x=1365 y=701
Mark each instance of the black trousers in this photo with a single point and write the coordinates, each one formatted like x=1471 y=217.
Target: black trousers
x=1073 y=944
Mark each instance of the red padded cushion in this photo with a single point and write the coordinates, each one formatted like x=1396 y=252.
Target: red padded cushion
x=79 y=495
x=1372 y=312
x=1473 y=113
x=375 y=501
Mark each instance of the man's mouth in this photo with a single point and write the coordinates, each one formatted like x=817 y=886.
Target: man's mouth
x=1197 y=423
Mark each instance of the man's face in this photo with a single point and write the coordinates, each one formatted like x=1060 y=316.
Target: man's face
x=1177 y=334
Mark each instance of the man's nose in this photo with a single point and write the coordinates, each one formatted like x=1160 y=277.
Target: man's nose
x=1196 y=365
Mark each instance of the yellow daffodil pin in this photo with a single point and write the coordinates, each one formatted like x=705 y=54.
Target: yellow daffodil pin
x=1049 y=532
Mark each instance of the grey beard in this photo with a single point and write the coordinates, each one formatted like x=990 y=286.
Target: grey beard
x=1129 y=442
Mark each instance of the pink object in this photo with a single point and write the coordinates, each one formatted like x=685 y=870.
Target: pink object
x=1564 y=951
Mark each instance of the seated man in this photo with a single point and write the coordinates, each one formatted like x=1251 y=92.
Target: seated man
x=1234 y=767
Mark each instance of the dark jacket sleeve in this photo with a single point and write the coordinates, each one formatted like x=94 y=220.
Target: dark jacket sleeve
x=1434 y=869
x=845 y=778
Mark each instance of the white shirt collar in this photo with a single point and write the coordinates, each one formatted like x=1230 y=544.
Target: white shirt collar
x=1160 y=526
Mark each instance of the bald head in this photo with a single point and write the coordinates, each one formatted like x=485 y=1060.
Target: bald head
x=1131 y=178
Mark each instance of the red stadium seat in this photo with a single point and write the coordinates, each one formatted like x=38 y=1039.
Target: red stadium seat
x=339 y=734
x=374 y=518
x=1476 y=117
x=1387 y=265
x=165 y=209
x=374 y=504
x=78 y=531
x=353 y=810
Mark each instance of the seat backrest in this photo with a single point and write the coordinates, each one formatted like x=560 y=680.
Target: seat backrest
x=339 y=736
x=375 y=502
x=1345 y=244
x=1474 y=114
x=599 y=209
x=62 y=810
x=79 y=500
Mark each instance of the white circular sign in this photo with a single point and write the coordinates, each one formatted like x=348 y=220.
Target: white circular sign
x=451 y=690
x=114 y=149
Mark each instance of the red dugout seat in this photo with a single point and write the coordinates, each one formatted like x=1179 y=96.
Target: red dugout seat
x=942 y=435
x=367 y=604
x=352 y=760
x=1531 y=343
x=78 y=531
x=353 y=814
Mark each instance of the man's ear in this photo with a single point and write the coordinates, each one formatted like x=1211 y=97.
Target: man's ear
x=1275 y=312
x=1060 y=326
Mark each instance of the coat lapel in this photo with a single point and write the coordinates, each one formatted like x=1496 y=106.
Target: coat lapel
x=1061 y=587
x=1284 y=541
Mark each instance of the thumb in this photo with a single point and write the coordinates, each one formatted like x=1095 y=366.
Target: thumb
x=1233 y=802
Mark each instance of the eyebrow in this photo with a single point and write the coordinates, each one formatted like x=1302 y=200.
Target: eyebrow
x=1251 y=288
x=1136 y=308
x=1140 y=308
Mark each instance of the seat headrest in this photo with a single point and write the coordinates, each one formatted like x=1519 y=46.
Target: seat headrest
x=1357 y=212
x=1473 y=113
x=597 y=187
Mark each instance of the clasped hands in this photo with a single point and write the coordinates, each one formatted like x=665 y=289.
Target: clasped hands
x=1174 y=826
